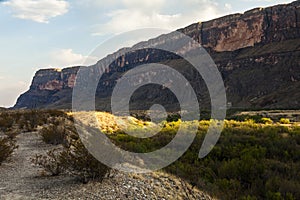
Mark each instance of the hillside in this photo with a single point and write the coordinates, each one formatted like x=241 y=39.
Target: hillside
x=257 y=53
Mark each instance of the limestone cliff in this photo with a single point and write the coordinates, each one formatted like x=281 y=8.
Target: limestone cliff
x=257 y=52
x=54 y=79
x=256 y=26
x=48 y=87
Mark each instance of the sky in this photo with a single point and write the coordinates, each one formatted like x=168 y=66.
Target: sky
x=38 y=34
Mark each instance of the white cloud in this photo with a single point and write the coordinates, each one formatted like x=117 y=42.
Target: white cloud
x=38 y=10
x=134 y=14
x=126 y=20
x=228 y=6
x=66 y=57
x=96 y=3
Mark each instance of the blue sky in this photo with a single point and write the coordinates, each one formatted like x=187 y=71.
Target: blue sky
x=59 y=33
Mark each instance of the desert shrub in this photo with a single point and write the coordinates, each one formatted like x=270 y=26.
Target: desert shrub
x=53 y=134
x=241 y=118
x=6 y=122
x=243 y=163
x=29 y=120
x=173 y=117
x=78 y=161
x=250 y=161
x=284 y=121
x=49 y=162
x=74 y=160
x=7 y=146
x=266 y=120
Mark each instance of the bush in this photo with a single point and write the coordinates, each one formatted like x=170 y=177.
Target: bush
x=250 y=161
x=49 y=162
x=53 y=134
x=7 y=147
x=242 y=164
x=78 y=161
x=6 y=122
x=284 y=121
x=266 y=120
x=74 y=160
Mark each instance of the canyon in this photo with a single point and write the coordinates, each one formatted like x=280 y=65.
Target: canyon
x=257 y=53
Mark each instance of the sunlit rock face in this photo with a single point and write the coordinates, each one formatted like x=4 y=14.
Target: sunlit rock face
x=256 y=26
x=48 y=87
x=257 y=53
x=54 y=79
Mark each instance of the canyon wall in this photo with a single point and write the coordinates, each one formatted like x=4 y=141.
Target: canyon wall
x=257 y=53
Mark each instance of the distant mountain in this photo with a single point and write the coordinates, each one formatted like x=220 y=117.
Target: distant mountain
x=257 y=53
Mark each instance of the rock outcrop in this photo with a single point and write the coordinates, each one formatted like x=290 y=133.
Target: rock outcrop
x=54 y=79
x=49 y=86
x=256 y=26
x=257 y=53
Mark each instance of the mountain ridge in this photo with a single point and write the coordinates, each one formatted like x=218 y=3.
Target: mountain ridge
x=246 y=47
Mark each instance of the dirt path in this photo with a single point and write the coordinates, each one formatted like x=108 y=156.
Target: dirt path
x=21 y=180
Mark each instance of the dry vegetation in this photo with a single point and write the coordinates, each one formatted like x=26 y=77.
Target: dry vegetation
x=255 y=158
x=254 y=152
x=56 y=128
x=7 y=146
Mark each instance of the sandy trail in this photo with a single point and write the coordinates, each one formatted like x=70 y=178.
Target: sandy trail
x=20 y=179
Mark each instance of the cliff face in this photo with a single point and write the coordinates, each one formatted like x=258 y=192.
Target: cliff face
x=54 y=79
x=257 y=53
x=257 y=26
x=49 y=87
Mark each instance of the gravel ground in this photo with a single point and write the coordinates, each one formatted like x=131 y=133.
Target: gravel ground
x=20 y=179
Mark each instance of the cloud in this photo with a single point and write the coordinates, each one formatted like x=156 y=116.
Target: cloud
x=37 y=10
x=228 y=6
x=135 y=14
x=126 y=20
x=66 y=57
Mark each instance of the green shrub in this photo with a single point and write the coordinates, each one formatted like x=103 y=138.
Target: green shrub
x=266 y=120
x=241 y=118
x=243 y=163
x=7 y=147
x=284 y=121
x=274 y=196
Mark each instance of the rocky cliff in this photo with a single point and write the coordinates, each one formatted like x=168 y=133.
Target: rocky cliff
x=54 y=79
x=49 y=87
x=256 y=26
x=257 y=53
